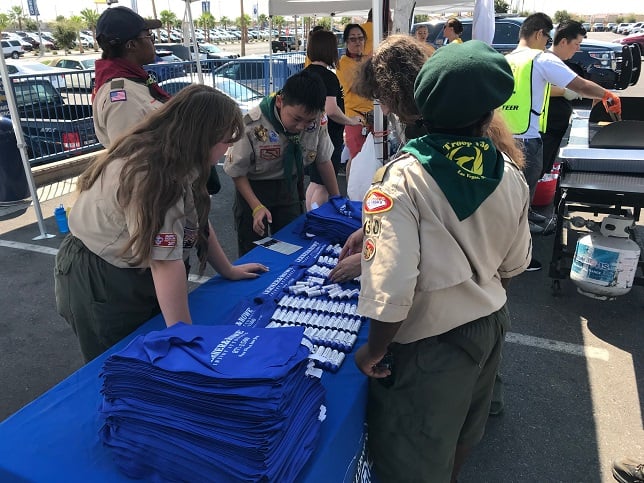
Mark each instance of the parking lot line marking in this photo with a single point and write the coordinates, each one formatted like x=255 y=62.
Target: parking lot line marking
x=28 y=246
x=558 y=346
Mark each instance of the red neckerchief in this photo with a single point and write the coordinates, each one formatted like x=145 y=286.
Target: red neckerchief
x=108 y=69
x=354 y=56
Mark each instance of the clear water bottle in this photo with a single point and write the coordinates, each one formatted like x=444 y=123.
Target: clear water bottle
x=61 y=219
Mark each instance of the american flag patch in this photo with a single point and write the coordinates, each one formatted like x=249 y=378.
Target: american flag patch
x=165 y=240
x=116 y=96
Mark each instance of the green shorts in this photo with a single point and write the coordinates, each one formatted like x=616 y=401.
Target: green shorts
x=437 y=397
x=102 y=303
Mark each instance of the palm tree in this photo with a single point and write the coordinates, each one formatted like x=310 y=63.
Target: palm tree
x=5 y=21
x=77 y=23
x=263 y=20
x=224 y=21
x=278 y=21
x=17 y=16
x=168 y=19
x=206 y=22
x=91 y=18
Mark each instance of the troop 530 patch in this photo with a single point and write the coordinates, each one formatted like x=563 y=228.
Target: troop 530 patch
x=165 y=240
x=377 y=202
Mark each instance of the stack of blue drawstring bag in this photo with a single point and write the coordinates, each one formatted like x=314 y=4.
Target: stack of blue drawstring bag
x=212 y=403
x=335 y=220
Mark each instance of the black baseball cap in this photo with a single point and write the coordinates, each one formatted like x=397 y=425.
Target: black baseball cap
x=117 y=25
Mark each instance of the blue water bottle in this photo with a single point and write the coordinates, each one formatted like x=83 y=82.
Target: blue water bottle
x=61 y=219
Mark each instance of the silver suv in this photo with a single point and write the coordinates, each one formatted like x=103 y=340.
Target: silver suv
x=12 y=48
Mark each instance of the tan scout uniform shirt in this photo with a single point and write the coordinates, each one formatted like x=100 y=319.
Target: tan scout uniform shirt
x=118 y=105
x=258 y=155
x=423 y=266
x=99 y=221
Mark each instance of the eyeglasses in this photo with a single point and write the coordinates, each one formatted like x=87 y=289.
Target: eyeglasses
x=151 y=36
x=548 y=38
x=356 y=39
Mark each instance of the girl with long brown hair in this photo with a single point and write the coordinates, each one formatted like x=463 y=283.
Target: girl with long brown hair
x=141 y=207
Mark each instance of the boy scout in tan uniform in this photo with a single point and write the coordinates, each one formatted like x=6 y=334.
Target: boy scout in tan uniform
x=445 y=228
x=261 y=159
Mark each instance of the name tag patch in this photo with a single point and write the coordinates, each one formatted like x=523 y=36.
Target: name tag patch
x=165 y=240
x=270 y=153
x=377 y=202
x=118 y=96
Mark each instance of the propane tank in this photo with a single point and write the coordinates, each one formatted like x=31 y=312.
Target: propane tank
x=605 y=263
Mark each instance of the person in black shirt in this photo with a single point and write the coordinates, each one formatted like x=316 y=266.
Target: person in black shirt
x=322 y=50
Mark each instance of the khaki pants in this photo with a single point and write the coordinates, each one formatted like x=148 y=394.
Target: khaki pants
x=102 y=303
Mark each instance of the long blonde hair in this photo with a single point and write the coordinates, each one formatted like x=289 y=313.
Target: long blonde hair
x=162 y=153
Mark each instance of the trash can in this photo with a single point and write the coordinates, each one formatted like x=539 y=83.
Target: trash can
x=13 y=181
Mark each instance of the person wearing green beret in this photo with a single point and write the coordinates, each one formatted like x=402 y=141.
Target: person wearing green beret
x=445 y=229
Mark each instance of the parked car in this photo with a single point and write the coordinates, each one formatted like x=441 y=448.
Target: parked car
x=37 y=70
x=83 y=67
x=598 y=27
x=12 y=48
x=214 y=52
x=608 y=64
x=633 y=39
x=611 y=27
x=621 y=27
x=254 y=72
x=245 y=96
x=53 y=130
x=632 y=28
x=285 y=43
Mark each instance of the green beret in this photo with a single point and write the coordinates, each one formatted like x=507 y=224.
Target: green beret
x=460 y=83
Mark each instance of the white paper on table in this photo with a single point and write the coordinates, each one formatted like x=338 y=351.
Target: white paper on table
x=277 y=245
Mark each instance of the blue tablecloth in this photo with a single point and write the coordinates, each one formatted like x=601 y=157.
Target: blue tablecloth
x=55 y=437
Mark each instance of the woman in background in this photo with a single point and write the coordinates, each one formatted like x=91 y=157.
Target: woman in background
x=453 y=30
x=349 y=65
x=322 y=50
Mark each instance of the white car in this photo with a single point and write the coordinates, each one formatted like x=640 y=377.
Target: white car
x=246 y=97
x=35 y=69
x=82 y=78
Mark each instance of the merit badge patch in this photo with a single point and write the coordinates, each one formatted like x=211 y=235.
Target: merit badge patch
x=165 y=240
x=261 y=133
x=118 y=96
x=273 y=136
x=369 y=249
x=377 y=202
x=189 y=238
x=270 y=153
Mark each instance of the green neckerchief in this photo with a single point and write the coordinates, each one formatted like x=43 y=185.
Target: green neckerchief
x=466 y=169
x=293 y=154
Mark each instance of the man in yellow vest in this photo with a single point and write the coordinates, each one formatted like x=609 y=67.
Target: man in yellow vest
x=534 y=70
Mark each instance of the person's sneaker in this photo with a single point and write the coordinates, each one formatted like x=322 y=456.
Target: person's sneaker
x=535 y=229
x=628 y=470
x=535 y=217
x=534 y=266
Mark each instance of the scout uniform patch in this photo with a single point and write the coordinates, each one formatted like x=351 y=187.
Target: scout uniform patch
x=270 y=153
x=118 y=96
x=324 y=119
x=372 y=226
x=165 y=240
x=377 y=202
x=261 y=133
x=273 y=136
x=311 y=155
x=369 y=249
x=312 y=127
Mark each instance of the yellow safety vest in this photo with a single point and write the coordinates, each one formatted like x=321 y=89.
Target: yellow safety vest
x=517 y=109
